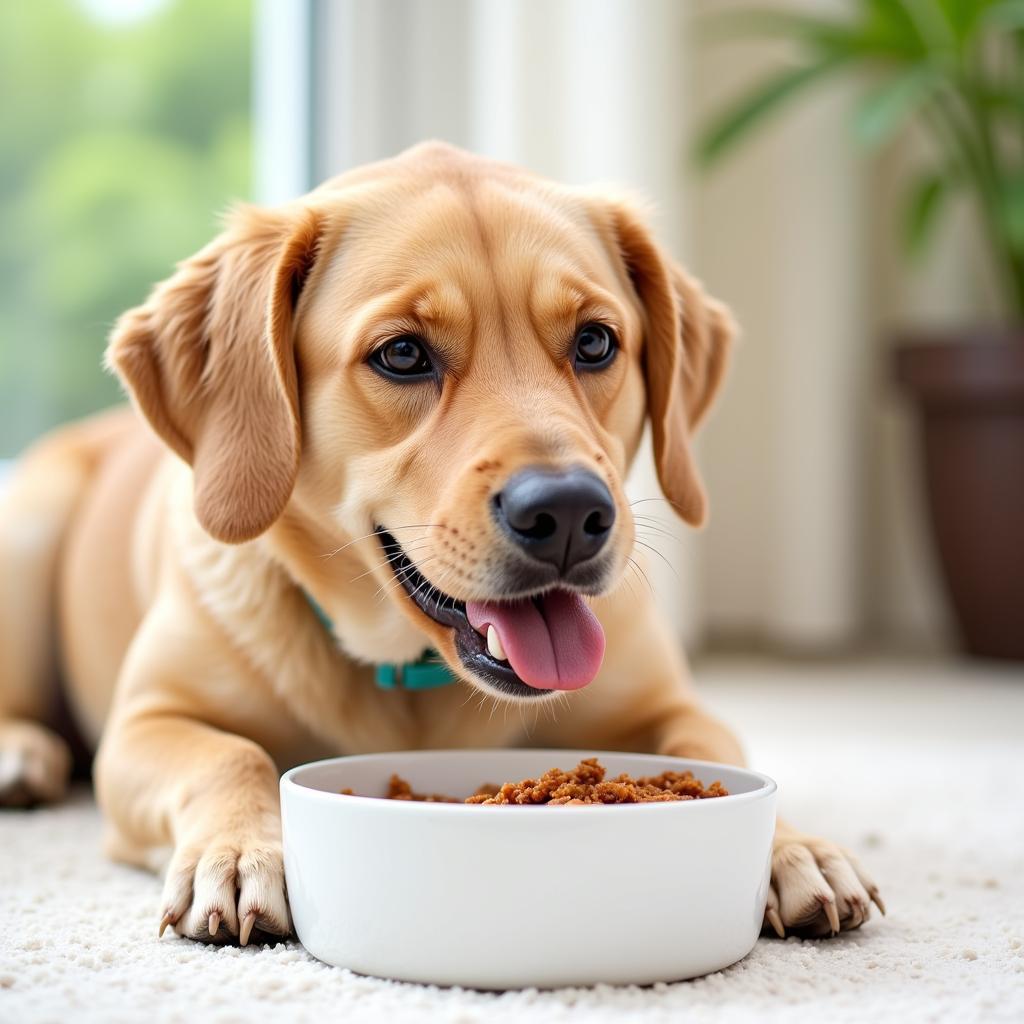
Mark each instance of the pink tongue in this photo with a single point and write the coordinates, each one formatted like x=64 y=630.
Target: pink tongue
x=553 y=643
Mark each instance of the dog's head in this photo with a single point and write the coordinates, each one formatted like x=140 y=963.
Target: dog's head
x=442 y=366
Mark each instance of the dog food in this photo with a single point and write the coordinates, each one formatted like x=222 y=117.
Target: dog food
x=584 y=784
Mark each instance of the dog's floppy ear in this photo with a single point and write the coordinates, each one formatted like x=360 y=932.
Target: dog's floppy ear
x=208 y=359
x=686 y=348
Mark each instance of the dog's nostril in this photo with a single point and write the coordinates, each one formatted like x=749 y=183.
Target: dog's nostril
x=595 y=524
x=543 y=526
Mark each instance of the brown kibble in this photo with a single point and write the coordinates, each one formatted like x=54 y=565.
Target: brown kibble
x=584 y=784
x=399 y=789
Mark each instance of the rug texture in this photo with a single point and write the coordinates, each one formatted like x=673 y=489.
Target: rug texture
x=918 y=768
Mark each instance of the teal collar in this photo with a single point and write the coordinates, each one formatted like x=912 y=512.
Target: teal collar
x=426 y=673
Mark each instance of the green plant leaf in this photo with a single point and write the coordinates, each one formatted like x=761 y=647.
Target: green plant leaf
x=739 y=119
x=962 y=16
x=1012 y=211
x=889 y=36
x=825 y=34
x=1006 y=14
x=893 y=28
x=923 y=207
x=884 y=110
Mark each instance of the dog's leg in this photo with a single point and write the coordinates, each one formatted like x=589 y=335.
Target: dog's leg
x=35 y=506
x=166 y=780
x=172 y=773
x=689 y=731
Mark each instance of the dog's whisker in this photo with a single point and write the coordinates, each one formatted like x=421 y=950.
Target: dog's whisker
x=381 y=565
x=640 y=572
x=432 y=591
x=399 y=579
x=654 y=538
x=391 y=529
x=388 y=558
x=442 y=580
x=396 y=581
x=642 y=536
x=388 y=561
x=452 y=597
x=650 y=547
x=537 y=712
x=393 y=586
x=624 y=581
x=448 y=575
x=671 y=504
x=661 y=531
x=430 y=586
x=549 y=711
x=653 y=521
x=355 y=540
x=640 y=501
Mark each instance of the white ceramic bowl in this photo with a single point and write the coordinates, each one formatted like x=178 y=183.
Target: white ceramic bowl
x=510 y=896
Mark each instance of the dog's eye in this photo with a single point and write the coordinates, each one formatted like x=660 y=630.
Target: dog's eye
x=405 y=356
x=595 y=346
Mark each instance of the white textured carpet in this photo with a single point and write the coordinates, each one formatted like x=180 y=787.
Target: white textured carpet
x=920 y=769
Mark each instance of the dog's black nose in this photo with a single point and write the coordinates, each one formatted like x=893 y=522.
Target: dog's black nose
x=559 y=517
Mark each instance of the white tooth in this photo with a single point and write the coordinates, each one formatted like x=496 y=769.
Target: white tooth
x=494 y=644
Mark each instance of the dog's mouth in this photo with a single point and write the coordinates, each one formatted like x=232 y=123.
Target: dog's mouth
x=523 y=647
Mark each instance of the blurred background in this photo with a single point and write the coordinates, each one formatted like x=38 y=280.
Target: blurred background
x=130 y=124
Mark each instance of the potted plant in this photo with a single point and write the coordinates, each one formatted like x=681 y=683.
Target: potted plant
x=957 y=68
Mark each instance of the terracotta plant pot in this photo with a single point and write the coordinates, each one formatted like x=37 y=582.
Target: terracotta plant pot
x=969 y=388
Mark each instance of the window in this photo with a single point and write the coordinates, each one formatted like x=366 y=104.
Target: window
x=125 y=127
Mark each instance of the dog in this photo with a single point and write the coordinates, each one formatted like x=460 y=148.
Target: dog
x=392 y=416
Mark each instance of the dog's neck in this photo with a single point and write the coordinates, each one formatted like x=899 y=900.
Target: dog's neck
x=364 y=620
x=426 y=673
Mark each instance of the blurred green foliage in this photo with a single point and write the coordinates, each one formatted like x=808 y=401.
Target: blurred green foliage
x=121 y=141
x=956 y=67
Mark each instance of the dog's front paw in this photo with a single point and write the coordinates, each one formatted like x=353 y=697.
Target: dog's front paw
x=35 y=764
x=817 y=888
x=228 y=889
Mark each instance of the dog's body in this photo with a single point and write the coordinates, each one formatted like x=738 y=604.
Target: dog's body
x=306 y=456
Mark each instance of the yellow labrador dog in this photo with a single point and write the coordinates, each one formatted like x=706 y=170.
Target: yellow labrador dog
x=394 y=415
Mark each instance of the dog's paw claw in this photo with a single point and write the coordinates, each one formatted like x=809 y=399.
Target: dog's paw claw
x=776 y=922
x=829 y=906
x=246 y=930
x=818 y=889
x=227 y=890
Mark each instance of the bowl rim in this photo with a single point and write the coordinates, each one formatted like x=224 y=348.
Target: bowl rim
x=768 y=785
